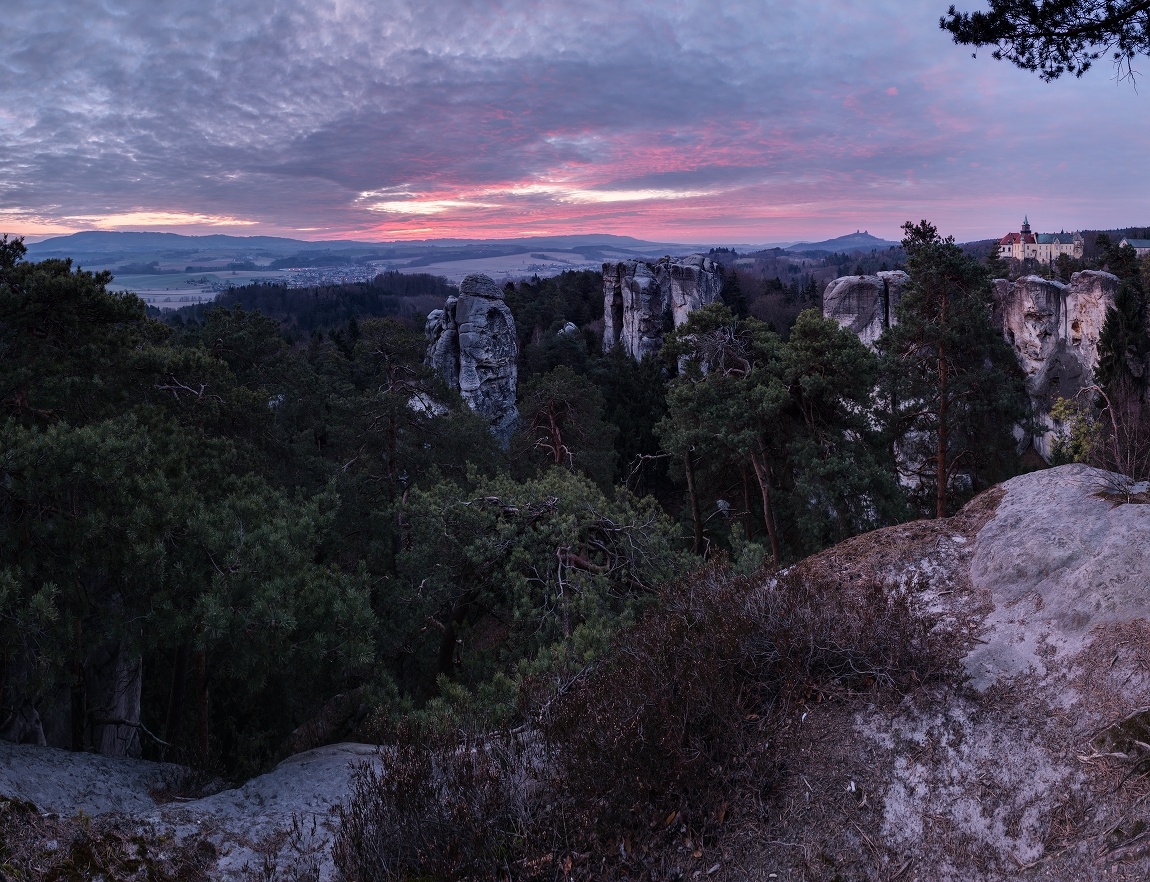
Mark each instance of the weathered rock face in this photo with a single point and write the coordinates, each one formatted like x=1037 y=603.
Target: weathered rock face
x=1054 y=329
x=473 y=347
x=275 y=826
x=1014 y=758
x=865 y=305
x=641 y=301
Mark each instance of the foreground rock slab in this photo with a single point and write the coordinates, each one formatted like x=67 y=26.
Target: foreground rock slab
x=282 y=822
x=1029 y=758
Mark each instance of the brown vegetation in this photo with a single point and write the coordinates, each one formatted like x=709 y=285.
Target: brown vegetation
x=49 y=848
x=637 y=767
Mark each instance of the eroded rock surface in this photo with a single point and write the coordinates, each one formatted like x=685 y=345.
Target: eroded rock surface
x=283 y=822
x=642 y=301
x=473 y=347
x=1053 y=328
x=1061 y=558
x=865 y=305
x=1027 y=759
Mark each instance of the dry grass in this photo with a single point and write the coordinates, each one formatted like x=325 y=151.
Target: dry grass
x=646 y=766
x=48 y=848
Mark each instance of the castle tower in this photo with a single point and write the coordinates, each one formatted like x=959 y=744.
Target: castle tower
x=1025 y=226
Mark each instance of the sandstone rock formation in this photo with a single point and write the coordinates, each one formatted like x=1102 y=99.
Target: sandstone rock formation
x=1053 y=328
x=473 y=347
x=280 y=825
x=1019 y=763
x=865 y=305
x=641 y=301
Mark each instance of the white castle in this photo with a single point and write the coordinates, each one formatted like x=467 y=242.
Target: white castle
x=1044 y=247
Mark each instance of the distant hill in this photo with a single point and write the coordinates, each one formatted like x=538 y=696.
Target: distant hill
x=117 y=242
x=855 y=241
x=103 y=242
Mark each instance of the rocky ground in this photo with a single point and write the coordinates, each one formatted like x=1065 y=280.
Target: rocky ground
x=1028 y=759
x=277 y=826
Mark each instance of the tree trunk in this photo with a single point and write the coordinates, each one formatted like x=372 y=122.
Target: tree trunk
x=79 y=694
x=4 y=680
x=748 y=523
x=177 y=696
x=696 y=513
x=558 y=448
x=763 y=474
x=450 y=634
x=120 y=729
x=203 y=726
x=943 y=429
x=392 y=453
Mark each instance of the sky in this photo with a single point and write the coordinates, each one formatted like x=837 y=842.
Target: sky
x=675 y=121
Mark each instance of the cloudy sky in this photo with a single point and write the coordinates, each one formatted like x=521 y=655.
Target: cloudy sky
x=674 y=120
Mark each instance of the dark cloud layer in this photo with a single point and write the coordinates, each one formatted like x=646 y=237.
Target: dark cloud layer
x=698 y=120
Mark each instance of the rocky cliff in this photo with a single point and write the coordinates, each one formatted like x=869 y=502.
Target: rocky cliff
x=641 y=301
x=1053 y=328
x=865 y=305
x=473 y=347
x=1019 y=763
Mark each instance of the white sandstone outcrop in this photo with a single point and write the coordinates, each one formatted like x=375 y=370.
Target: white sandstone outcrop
x=283 y=819
x=1019 y=762
x=474 y=348
x=641 y=301
x=1053 y=328
x=865 y=305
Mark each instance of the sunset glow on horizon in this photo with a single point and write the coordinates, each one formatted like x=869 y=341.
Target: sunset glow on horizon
x=686 y=122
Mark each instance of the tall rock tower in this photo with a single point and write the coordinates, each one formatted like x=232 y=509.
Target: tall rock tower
x=642 y=301
x=472 y=345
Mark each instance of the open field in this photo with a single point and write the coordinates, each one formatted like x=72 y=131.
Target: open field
x=172 y=290
x=509 y=266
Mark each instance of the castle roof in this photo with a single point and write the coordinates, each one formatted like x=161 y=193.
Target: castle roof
x=1015 y=238
x=1137 y=243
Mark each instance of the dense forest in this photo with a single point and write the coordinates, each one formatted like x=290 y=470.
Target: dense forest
x=231 y=533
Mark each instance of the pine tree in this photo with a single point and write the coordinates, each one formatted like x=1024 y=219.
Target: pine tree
x=796 y=416
x=732 y=293
x=955 y=386
x=561 y=424
x=1124 y=343
x=1056 y=36
x=997 y=266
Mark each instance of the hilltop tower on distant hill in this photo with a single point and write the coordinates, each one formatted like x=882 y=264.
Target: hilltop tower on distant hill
x=1045 y=247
